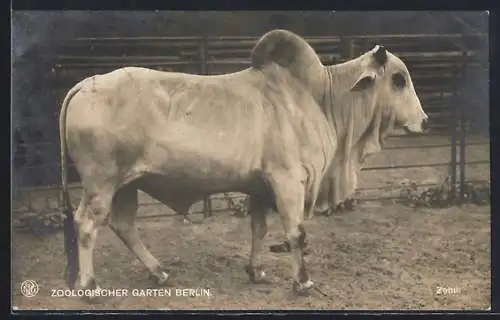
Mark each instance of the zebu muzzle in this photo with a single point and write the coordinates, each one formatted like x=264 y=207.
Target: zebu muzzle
x=415 y=128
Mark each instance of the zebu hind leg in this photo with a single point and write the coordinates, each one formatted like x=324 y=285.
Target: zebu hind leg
x=91 y=215
x=258 y=210
x=123 y=217
x=289 y=195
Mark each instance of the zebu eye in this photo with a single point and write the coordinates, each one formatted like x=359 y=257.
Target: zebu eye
x=399 y=80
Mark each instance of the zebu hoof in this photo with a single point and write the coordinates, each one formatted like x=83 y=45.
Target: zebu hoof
x=159 y=278
x=345 y=206
x=256 y=276
x=186 y=220
x=302 y=289
x=326 y=212
x=90 y=293
x=330 y=212
x=340 y=207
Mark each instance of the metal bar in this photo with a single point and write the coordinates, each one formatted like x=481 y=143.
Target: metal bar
x=172 y=214
x=351 y=48
x=364 y=199
x=427 y=134
x=405 y=55
x=406 y=36
x=448 y=54
x=97 y=46
x=114 y=65
x=106 y=39
x=236 y=38
x=314 y=41
x=453 y=164
x=424 y=146
x=214 y=197
x=228 y=38
x=418 y=147
x=247 y=62
x=115 y=58
x=428 y=165
x=462 y=129
x=203 y=55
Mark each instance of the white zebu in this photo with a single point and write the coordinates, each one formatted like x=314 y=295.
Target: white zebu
x=271 y=131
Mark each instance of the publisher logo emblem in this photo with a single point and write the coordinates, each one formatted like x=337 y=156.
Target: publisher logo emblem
x=29 y=288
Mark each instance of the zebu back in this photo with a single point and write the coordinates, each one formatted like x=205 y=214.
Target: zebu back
x=194 y=128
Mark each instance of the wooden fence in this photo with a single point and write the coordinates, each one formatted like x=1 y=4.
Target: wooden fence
x=439 y=65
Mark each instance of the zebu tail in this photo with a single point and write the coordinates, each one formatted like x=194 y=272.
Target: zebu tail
x=70 y=233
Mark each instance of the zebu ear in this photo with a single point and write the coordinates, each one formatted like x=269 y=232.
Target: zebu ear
x=280 y=46
x=365 y=81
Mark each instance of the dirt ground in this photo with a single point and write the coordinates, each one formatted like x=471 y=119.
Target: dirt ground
x=376 y=257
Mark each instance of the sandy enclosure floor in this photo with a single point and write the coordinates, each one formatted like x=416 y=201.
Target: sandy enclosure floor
x=376 y=257
x=384 y=257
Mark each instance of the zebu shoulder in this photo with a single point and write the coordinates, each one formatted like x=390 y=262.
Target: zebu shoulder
x=300 y=135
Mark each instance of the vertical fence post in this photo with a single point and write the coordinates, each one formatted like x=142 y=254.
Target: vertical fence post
x=202 y=48
x=463 y=133
x=347 y=48
x=351 y=48
x=203 y=54
x=453 y=124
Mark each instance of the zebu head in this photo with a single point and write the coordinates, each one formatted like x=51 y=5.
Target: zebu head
x=366 y=97
x=386 y=78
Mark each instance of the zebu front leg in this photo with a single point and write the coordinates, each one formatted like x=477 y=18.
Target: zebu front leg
x=123 y=218
x=258 y=211
x=289 y=195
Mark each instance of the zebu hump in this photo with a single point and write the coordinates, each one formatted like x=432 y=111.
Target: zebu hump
x=284 y=48
x=293 y=53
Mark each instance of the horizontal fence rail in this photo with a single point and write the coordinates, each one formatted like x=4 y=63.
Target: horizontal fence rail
x=439 y=65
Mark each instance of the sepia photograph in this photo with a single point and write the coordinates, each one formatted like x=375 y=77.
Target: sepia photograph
x=250 y=160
